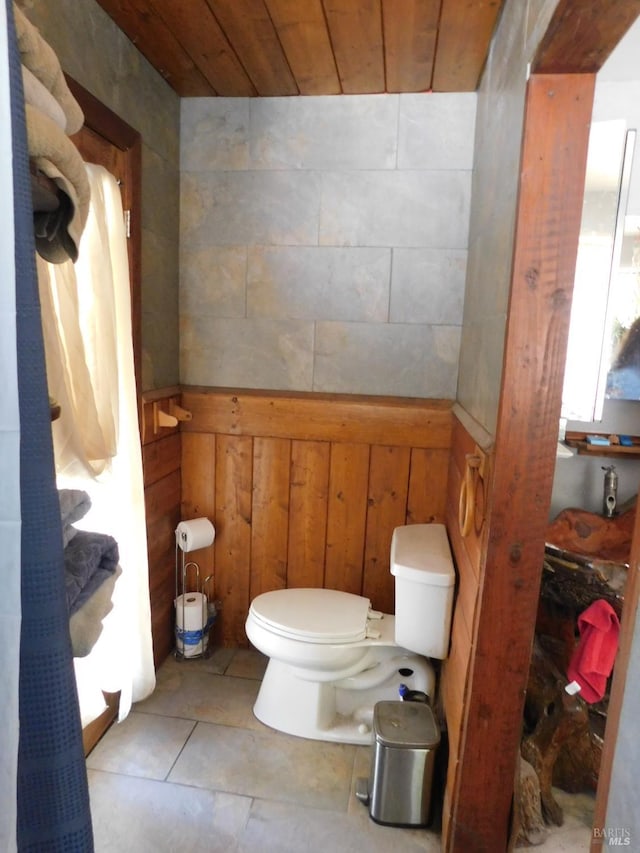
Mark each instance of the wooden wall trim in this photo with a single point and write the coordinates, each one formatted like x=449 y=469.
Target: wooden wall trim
x=469 y=555
x=476 y=431
x=98 y=116
x=399 y=421
x=94 y=730
x=161 y=462
x=557 y=118
x=154 y=395
x=305 y=490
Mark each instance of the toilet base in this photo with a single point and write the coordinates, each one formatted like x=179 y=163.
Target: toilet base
x=340 y=712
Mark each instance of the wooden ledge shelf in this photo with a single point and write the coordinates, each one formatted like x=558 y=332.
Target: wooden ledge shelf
x=578 y=440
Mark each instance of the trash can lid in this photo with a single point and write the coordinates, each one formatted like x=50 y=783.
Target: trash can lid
x=409 y=725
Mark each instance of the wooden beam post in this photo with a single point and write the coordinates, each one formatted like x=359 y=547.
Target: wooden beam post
x=557 y=118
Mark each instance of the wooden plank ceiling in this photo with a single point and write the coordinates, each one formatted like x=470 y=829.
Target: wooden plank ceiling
x=245 y=48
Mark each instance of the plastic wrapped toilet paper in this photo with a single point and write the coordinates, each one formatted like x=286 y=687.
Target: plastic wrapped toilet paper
x=195 y=534
x=192 y=628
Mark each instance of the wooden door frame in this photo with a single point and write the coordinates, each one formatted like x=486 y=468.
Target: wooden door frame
x=559 y=101
x=99 y=119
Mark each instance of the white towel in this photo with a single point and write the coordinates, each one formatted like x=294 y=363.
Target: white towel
x=36 y=94
x=41 y=60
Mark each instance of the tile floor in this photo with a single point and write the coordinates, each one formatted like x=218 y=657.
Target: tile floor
x=191 y=770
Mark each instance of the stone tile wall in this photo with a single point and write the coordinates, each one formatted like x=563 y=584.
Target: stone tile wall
x=501 y=102
x=324 y=242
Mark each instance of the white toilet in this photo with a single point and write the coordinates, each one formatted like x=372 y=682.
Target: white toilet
x=331 y=657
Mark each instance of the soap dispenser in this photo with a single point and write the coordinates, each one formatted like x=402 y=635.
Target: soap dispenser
x=610 y=497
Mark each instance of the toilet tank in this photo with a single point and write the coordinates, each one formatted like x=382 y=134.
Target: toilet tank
x=422 y=564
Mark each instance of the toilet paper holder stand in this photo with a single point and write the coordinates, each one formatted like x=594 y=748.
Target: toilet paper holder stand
x=206 y=589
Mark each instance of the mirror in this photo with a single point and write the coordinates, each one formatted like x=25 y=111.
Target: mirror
x=620 y=373
x=601 y=360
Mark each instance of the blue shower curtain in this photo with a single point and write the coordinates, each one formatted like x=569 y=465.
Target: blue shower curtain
x=52 y=791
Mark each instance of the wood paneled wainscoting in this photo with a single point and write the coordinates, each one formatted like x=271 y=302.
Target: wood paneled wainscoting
x=161 y=459
x=468 y=440
x=305 y=489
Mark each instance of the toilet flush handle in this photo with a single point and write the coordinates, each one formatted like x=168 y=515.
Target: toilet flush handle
x=373 y=616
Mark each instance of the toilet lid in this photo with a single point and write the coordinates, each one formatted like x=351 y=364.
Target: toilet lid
x=313 y=615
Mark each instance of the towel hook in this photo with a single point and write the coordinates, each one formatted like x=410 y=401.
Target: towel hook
x=169 y=419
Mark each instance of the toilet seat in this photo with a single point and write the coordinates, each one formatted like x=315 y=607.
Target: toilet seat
x=313 y=615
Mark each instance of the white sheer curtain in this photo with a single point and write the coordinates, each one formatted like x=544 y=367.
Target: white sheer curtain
x=86 y=434
x=96 y=439
x=9 y=473
x=81 y=332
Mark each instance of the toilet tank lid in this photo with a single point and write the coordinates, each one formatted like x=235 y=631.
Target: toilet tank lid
x=421 y=553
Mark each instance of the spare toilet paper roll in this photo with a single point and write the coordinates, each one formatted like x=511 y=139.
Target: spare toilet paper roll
x=191 y=611
x=195 y=534
x=192 y=636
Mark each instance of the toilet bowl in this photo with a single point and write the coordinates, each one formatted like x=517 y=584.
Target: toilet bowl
x=332 y=656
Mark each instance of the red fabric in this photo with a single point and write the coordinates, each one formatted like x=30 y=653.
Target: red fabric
x=592 y=660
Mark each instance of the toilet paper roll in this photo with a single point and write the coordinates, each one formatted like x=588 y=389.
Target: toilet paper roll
x=192 y=627
x=191 y=611
x=195 y=534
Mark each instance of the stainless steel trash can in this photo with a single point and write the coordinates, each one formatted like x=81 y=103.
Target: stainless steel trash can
x=406 y=737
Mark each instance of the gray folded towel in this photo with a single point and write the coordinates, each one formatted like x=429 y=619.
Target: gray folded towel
x=74 y=505
x=85 y=626
x=89 y=559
